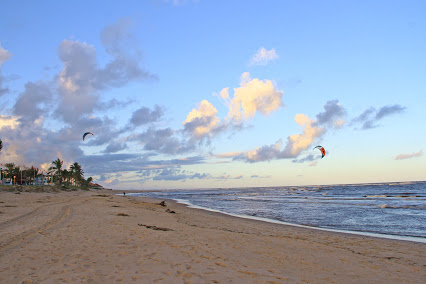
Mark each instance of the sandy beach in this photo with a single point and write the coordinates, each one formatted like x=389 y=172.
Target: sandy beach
x=99 y=237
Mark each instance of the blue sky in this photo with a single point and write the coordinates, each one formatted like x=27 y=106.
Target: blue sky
x=190 y=94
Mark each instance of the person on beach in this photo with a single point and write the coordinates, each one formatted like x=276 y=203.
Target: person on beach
x=124 y=193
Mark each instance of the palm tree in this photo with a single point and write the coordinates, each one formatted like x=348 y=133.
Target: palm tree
x=57 y=168
x=72 y=171
x=10 y=170
x=66 y=175
x=77 y=172
x=88 y=181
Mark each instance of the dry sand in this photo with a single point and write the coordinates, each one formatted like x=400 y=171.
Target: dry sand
x=98 y=237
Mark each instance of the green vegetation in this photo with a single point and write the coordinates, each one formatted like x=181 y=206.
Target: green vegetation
x=70 y=178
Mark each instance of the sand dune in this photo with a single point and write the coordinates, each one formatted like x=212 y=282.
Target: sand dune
x=98 y=237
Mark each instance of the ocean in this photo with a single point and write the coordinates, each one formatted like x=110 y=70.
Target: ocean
x=396 y=210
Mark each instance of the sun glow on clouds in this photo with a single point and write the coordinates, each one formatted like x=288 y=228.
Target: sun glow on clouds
x=299 y=142
x=76 y=92
x=8 y=121
x=253 y=96
x=203 y=120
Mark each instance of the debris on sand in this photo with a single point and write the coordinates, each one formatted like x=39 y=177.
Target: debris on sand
x=155 y=228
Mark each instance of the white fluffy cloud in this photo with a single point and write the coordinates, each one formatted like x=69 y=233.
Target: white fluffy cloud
x=299 y=142
x=311 y=130
x=263 y=56
x=252 y=96
x=295 y=143
x=202 y=121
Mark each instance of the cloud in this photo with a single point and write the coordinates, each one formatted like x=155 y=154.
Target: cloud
x=144 y=115
x=370 y=117
x=309 y=158
x=409 y=156
x=82 y=78
x=295 y=143
x=113 y=103
x=228 y=155
x=72 y=96
x=257 y=176
x=162 y=141
x=171 y=174
x=333 y=114
x=263 y=56
x=29 y=142
x=4 y=56
x=116 y=38
x=299 y=142
x=115 y=147
x=33 y=103
x=264 y=153
x=8 y=122
x=253 y=96
x=111 y=182
x=312 y=130
x=202 y=122
x=108 y=165
x=389 y=110
x=224 y=96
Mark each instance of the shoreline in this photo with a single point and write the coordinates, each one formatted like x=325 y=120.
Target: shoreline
x=99 y=236
x=267 y=220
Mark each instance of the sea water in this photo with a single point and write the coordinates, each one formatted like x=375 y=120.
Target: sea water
x=394 y=209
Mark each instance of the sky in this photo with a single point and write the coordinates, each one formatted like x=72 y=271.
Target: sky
x=207 y=94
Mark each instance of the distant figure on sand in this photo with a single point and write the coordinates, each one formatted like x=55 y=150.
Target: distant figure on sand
x=124 y=193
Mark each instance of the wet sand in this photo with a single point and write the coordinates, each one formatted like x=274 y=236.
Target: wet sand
x=99 y=237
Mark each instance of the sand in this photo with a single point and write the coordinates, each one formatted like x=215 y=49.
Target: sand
x=99 y=237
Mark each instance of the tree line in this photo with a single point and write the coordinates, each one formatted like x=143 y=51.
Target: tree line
x=59 y=175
